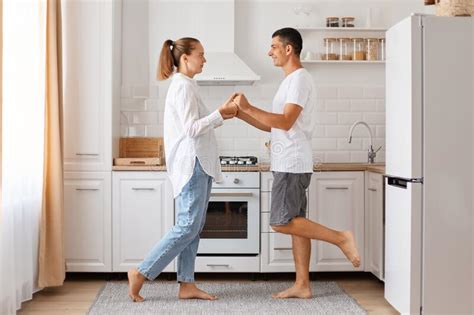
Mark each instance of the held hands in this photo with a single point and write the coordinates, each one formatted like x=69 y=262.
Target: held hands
x=241 y=101
x=229 y=109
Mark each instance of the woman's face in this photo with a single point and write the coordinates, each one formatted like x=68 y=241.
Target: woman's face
x=195 y=61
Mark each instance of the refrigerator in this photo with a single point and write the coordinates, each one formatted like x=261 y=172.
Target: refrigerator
x=429 y=165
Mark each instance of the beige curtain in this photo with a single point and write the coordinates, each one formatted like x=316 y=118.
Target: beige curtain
x=1 y=102
x=51 y=254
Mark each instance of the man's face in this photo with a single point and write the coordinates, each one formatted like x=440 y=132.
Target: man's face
x=278 y=52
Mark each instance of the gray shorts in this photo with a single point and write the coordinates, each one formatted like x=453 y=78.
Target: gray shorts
x=288 y=197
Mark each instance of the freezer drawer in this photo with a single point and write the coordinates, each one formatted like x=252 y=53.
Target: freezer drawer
x=403 y=210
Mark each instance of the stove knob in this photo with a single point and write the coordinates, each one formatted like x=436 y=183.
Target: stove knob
x=236 y=180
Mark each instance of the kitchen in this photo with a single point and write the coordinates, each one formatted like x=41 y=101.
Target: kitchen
x=125 y=100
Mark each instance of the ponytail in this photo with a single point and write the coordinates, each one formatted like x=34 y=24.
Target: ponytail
x=171 y=54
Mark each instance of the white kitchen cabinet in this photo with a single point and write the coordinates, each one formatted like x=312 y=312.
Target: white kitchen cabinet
x=276 y=248
x=87 y=221
x=143 y=211
x=336 y=200
x=374 y=217
x=89 y=84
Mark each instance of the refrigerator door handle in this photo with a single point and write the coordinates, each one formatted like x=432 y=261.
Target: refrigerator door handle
x=402 y=182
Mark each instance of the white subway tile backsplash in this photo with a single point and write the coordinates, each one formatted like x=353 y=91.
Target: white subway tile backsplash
x=348 y=118
x=381 y=105
x=374 y=92
x=326 y=118
x=336 y=109
x=142 y=91
x=344 y=145
x=137 y=131
x=374 y=118
x=152 y=104
x=326 y=92
x=338 y=157
x=146 y=118
x=337 y=105
x=246 y=145
x=154 y=131
x=364 y=105
x=350 y=92
x=130 y=104
x=337 y=131
x=324 y=144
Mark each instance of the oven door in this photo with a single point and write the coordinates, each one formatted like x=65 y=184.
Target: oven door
x=232 y=222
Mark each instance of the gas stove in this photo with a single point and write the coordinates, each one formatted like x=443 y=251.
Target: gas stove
x=238 y=160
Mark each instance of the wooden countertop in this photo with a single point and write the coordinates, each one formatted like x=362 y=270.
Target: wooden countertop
x=322 y=167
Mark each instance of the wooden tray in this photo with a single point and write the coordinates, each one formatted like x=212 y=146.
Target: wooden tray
x=138 y=161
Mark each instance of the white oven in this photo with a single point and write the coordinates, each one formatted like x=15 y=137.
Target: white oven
x=233 y=216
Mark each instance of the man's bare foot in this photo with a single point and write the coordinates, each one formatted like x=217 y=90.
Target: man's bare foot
x=349 y=248
x=190 y=291
x=135 y=282
x=294 y=292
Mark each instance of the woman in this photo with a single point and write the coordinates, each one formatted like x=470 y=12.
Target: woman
x=192 y=162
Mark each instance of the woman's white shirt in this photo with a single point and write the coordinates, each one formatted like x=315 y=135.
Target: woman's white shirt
x=189 y=133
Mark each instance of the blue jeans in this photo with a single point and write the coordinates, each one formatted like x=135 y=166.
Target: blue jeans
x=183 y=238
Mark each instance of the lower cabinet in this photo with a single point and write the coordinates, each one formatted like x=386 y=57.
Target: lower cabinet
x=336 y=200
x=374 y=196
x=87 y=221
x=143 y=211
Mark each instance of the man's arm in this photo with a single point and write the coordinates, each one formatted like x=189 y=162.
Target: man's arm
x=252 y=121
x=281 y=121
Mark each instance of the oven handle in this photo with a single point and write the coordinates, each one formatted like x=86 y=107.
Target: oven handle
x=217 y=265
x=237 y=194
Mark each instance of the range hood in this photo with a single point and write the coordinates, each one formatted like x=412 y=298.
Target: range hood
x=213 y=23
x=225 y=68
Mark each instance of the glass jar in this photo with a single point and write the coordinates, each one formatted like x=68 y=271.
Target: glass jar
x=332 y=21
x=347 y=21
x=358 y=49
x=345 y=49
x=382 y=48
x=372 y=49
x=330 y=47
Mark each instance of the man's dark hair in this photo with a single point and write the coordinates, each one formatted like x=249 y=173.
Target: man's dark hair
x=290 y=36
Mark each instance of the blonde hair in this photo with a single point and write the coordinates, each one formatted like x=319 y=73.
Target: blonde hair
x=171 y=54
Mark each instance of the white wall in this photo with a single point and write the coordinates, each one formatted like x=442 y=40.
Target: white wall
x=345 y=93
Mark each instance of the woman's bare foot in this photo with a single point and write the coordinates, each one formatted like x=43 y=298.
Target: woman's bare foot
x=349 y=248
x=295 y=292
x=135 y=282
x=190 y=291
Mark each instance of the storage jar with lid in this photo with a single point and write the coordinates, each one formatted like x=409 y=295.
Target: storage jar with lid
x=330 y=48
x=345 y=49
x=347 y=21
x=332 y=21
x=358 y=49
x=382 y=48
x=372 y=48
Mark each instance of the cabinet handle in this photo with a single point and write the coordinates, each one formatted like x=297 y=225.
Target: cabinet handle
x=217 y=265
x=87 y=154
x=372 y=189
x=87 y=189
x=282 y=248
x=217 y=194
x=337 y=188
x=138 y=188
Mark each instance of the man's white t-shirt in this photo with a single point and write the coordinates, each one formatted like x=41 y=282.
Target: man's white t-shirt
x=291 y=150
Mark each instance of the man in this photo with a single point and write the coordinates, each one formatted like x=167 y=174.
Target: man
x=291 y=159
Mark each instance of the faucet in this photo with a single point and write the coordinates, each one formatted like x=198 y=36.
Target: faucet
x=371 y=153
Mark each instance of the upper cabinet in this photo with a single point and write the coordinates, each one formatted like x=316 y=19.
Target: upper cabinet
x=89 y=92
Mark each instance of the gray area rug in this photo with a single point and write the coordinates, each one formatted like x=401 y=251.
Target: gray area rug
x=234 y=298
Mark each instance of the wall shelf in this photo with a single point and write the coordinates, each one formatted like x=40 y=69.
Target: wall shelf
x=343 y=29
x=342 y=62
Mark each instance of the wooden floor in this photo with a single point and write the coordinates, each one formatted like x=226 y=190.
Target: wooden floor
x=80 y=290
